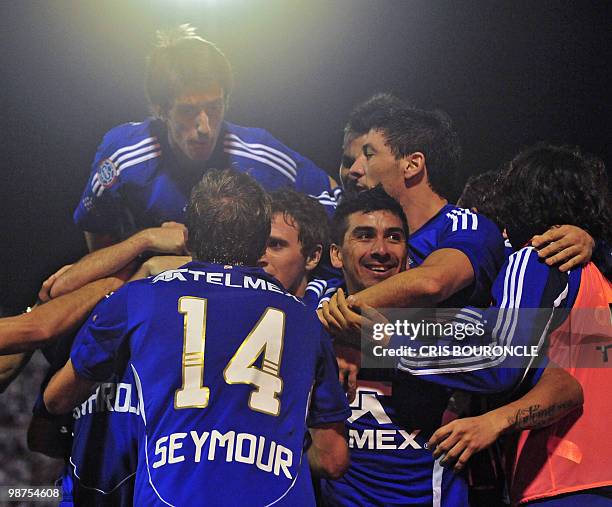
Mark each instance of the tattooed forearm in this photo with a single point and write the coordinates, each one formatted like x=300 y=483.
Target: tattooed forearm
x=536 y=416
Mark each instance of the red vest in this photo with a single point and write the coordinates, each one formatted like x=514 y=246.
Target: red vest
x=574 y=453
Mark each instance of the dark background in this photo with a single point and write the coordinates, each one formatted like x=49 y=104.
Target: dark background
x=508 y=73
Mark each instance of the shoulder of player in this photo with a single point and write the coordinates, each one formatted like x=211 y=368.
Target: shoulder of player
x=249 y=141
x=132 y=290
x=462 y=219
x=127 y=146
x=526 y=273
x=128 y=134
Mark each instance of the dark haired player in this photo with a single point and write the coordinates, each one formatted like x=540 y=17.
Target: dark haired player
x=223 y=371
x=390 y=459
x=359 y=123
x=573 y=460
x=565 y=246
x=142 y=172
x=454 y=255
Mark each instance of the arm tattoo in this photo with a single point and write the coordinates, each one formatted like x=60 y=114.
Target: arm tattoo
x=536 y=416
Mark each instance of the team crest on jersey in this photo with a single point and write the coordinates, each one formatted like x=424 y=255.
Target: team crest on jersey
x=107 y=173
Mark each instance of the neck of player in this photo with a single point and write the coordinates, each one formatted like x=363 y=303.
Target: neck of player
x=420 y=204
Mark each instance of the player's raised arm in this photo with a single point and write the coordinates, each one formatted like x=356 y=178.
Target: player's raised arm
x=11 y=365
x=48 y=321
x=441 y=275
x=168 y=239
x=525 y=294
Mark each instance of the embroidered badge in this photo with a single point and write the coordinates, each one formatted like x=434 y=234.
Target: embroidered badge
x=107 y=173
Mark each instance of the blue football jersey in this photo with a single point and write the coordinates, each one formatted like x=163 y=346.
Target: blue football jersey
x=529 y=301
x=105 y=444
x=136 y=183
x=230 y=371
x=471 y=233
x=395 y=413
x=319 y=290
x=100 y=437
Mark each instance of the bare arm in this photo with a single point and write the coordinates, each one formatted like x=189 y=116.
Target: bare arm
x=328 y=455
x=66 y=390
x=11 y=366
x=170 y=238
x=158 y=264
x=442 y=274
x=555 y=395
x=53 y=319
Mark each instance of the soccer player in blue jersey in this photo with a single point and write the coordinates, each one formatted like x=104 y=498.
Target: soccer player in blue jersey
x=298 y=237
x=544 y=185
x=224 y=360
x=142 y=172
x=390 y=460
x=389 y=428
x=565 y=246
x=103 y=458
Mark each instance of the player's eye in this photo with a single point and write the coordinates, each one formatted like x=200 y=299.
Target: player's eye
x=396 y=236
x=347 y=161
x=275 y=244
x=363 y=235
x=214 y=108
x=186 y=110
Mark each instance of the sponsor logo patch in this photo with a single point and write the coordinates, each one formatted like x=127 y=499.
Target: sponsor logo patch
x=107 y=173
x=88 y=203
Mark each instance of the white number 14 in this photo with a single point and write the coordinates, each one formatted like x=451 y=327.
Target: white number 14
x=265 y=338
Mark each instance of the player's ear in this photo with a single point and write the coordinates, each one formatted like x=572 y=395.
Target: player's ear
x=312 y=261
x=158 y=112
x=186 y=241
x=413 y=165
x=335 y=254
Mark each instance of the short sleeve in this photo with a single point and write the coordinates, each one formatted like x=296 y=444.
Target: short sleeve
x=480 y=240
x=98 y=210
x=328 y=403
x=100 y=342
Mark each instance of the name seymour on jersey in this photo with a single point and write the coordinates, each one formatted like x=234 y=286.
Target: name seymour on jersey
x=267 y=455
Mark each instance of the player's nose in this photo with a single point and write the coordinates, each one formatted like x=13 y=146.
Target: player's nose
x=379 y=248
x=262 y=262
x=357 y=170
x=203 y=124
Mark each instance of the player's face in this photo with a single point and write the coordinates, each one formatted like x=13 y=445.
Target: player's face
x=194 y=121
x=352 y=168
x=283 y=258
x=381 y=165
x=374 y=249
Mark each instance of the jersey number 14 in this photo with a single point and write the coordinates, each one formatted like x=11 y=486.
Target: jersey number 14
x=265 y=338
